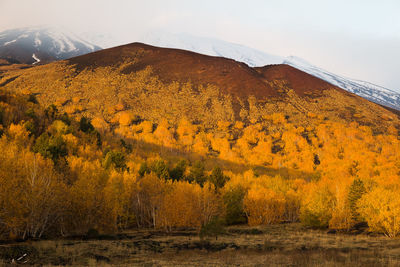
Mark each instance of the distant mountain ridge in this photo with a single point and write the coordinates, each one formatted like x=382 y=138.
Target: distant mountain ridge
x=372 y=92
x=211 y=47
x=37 y=45
x=255 y=58
x=41 y=45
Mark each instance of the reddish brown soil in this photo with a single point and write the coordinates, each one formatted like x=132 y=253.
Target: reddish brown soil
x=302 y=83
x=231 y=76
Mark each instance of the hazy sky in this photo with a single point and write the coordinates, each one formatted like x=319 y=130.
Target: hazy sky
x=355 y=38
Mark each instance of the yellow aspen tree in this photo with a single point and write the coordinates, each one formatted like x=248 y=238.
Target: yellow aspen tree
x=151 y=191
x=164 y=134
x=180 y=206
x=317 y=205
x=186 y=132
x=381 y=209
x=210 y=203
x=263 y=206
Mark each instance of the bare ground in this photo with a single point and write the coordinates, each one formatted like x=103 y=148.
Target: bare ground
x=277 y=245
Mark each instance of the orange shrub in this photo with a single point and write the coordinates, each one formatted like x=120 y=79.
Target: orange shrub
x=263 y=206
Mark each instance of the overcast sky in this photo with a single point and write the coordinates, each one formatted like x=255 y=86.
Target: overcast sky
x=355 y=38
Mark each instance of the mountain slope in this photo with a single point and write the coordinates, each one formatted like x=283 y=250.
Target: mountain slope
x=211 y=47
x=255 y=58
x=180 y=65
x=372 y=92
x=41 y=45
x=155 y=83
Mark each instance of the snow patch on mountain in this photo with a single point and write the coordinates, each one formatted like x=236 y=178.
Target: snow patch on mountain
x=372 y=92
x=9 y=42
x=37 y=60
x=211 y=47
x=51 y=43
x=65 y=41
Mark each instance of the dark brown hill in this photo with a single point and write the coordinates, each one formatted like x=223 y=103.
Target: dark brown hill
x=302 y=83
x=183 y=66
x=155 y=83
x=180 y=65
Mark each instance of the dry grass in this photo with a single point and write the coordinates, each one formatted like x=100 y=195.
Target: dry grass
x=277 y=245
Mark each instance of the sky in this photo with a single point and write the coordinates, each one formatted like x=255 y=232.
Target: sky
x=355 y=38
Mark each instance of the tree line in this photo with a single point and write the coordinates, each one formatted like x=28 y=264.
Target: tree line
x=60 y=176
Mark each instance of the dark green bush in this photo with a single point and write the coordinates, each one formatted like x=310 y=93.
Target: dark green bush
x=52 y=147
x=115 y=159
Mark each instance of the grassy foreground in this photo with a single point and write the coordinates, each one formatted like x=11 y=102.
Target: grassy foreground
x=277 y=245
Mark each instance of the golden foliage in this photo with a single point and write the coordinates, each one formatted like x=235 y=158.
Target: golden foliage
x=31 y=195
x=100 y=124
x=164 y=134
x=263 y=205
x=381 y=209
x=181 y=206
x=316 y=163
x=125 y=118
x=19 y=134
x=317 y=205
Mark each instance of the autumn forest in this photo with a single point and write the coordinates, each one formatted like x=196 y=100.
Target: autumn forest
x=61 y=175
x=199 y=133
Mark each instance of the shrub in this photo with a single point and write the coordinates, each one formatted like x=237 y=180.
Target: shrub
x=126 y=119
x=218 y=178
x=197 y=173
x=160 y=168
x=30 y=127
x=52 y=147
x=51 y=112
x=381 y=210
x=65 y=118
x=85 y=125
x=356 y=191
x=317 y=206
x=214 y=228
x=115 y=159
x=32 y=99
x=178 y=172
x=263 y=206
x=30 y=113
x=233 y=200
x=144 y=169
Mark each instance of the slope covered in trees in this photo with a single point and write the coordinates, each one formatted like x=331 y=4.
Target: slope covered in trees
x=117 y=143
x=60 y=176
x=134 y=78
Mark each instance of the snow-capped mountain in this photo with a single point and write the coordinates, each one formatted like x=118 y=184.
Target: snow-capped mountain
x=45 y=44
x=211 y=47
x=41 y=44
x=255 y=58
x=372 y=92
